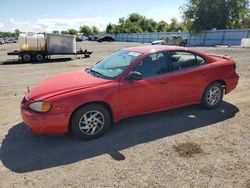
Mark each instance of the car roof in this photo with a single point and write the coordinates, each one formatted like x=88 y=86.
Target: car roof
x=155 y=48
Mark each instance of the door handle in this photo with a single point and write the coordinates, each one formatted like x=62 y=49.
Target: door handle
x=163 y=82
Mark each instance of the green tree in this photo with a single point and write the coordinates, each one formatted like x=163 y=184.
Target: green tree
x=238 y=13
x=95 y=30
x=110 y=28
x=162 y=26
x=176 y=26
x=86 y=30
x=7 y=34
x=200 y=15
x=247 y=21
x=135 y=23
x=55 y=32
x=72 y=32
x=17 y=32
x=64 y=32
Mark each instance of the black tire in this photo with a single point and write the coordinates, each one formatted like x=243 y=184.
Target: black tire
x=85 y=132
x=26 y=58
x=212 y=96
x=40 y=57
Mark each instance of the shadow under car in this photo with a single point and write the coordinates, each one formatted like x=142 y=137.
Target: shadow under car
x=23 y=151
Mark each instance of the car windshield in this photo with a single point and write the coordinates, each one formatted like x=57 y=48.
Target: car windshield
x=112 y=66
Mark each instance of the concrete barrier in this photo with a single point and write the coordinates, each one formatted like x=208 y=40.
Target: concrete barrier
x=245 y=42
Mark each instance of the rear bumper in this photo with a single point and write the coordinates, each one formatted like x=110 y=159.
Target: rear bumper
x=45 y=122
x=232 y=83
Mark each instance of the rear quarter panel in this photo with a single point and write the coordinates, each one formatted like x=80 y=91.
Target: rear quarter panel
x=223 y=70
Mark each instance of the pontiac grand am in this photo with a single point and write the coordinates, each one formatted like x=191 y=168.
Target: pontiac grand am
x=130 y=82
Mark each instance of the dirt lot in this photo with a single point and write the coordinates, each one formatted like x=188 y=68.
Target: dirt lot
x=185 y=147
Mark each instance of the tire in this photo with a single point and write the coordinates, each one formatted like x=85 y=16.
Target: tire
x=26 y=58
x=82 y=124
x=40 y=57
x=212 y=96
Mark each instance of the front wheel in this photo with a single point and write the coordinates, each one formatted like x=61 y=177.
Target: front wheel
x=90 y=121
x=212 y=96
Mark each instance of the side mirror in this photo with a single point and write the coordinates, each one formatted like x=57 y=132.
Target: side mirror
x=134 y=75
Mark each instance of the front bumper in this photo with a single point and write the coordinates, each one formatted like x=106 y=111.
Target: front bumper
x=48 y=122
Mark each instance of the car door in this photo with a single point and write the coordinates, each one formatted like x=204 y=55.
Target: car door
x=188 y=76
x=145 y=95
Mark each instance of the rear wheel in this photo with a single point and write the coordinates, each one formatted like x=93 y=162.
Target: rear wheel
x=40 y=57
x=90 y=121
x=213 y=95
x=26 y=58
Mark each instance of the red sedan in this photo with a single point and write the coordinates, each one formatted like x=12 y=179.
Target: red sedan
x=130 y=82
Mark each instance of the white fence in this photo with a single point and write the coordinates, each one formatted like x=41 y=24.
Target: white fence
x=207 y=38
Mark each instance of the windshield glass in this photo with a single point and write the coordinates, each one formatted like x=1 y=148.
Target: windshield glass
x=114 y=65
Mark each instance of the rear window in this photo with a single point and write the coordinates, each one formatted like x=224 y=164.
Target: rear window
x=181 y=60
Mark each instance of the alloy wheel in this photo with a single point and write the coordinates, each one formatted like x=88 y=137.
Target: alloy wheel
x=91 y=122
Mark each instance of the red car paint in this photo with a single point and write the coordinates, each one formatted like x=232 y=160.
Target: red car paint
x=68 y=91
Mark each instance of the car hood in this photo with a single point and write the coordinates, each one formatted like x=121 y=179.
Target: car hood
x=63 y=83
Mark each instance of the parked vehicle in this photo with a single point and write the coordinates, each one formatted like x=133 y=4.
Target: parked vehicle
x=171 y=40
x=105 y=38
x=10 y=40
x=41 y=46
x=78 y=39
x=92 y=37
x=1 y=41
x=132 y=81
x=81 y=38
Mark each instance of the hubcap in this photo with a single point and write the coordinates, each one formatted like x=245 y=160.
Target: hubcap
x=91 y=122
x=213 y=95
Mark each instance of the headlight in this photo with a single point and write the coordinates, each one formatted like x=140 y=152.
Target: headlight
x=40 y=106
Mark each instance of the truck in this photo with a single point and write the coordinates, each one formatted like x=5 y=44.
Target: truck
x=41 y=46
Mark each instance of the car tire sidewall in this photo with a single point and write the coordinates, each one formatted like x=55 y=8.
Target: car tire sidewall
x=74 y=124
x=204 y=100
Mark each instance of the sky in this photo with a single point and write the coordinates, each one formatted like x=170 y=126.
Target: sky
x=49 y=15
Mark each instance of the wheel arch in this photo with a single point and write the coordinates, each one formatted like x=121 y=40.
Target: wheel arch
x=221 y=81
x=102 y=103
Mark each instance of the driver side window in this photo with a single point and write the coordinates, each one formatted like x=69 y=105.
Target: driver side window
x=152 y=65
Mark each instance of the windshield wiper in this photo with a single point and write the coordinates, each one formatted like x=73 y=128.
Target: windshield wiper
x=96 y=73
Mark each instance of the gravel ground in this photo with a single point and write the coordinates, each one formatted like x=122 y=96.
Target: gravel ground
x=184 y=147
